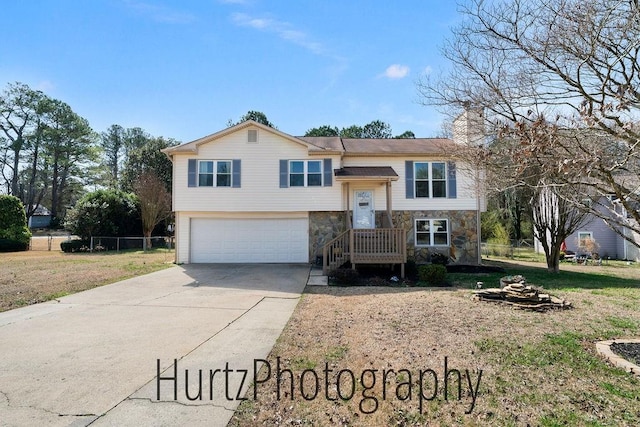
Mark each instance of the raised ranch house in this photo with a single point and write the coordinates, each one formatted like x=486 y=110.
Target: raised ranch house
x=253 y=194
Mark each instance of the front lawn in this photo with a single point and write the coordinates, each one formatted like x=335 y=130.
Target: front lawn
x=536 y=368
x=36 y=276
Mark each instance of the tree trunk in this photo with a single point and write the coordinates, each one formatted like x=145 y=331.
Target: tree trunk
x=147 y=237
x=62 y=188
x=14 y=179
x=553 y=259
x=517 y=220
x=54 y=185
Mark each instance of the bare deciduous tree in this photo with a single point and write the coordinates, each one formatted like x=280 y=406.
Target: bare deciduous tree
x=558 y=80
x=155 y=202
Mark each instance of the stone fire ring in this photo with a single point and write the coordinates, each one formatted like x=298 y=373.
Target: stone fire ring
x=604 y=348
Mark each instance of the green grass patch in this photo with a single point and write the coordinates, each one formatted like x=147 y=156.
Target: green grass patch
x=623 y=323
x=563 y=349
x=336 y=353
x=56 y=295
x=302 y=363
x=564 y=280
x=565 y=418
x=620 y=392
x=626 y=293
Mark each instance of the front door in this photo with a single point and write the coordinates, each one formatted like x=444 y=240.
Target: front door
x=363 y=210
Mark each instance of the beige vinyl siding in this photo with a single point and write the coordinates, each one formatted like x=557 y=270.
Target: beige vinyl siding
x=182 y=238
x=465 y=200
x=260 y=189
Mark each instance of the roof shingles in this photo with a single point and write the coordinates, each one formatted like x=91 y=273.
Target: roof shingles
x=366 y=171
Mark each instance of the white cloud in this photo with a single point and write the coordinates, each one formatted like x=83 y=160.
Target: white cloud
x=160 y=13
x=428 y=70
x=282 y=29
x=396 y=71
x=245 y=20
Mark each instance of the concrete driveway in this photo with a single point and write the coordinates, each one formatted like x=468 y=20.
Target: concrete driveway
x=92 y=358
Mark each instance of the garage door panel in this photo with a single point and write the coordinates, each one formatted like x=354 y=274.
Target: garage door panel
x=249 y=240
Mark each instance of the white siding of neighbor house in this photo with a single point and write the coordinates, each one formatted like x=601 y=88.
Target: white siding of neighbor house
x=631 y=251
x=260 y=178
x=465 y=200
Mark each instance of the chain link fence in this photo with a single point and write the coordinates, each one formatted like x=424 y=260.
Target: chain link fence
x=49 y=242
x=102 y=243
x=517 y=249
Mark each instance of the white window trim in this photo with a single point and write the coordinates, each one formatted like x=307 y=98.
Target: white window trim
x=305 y=172
x=431 y=232
x=215 y=173
x=590 y=233
x=430 y=180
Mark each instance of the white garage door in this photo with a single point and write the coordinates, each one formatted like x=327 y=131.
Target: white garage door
x=249 y=240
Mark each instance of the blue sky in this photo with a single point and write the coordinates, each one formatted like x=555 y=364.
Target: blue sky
x=182 y=69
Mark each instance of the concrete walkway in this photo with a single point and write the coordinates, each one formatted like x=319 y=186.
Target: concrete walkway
x=92 y=358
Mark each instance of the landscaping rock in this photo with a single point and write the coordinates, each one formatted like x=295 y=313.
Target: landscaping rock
x=514 y=291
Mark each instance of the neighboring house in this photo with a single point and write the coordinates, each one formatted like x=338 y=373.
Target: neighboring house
x=41 y=217
x=610 y=244
x=251 y=193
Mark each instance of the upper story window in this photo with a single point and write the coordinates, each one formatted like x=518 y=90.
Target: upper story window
x=305 y=173
x=430 y=179
x=214 y=173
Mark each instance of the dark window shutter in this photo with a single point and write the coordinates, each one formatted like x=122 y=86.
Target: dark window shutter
x=408 y=172
x=192 y=173
x=235 y=178
x=328 y=173
x=452 y=190
x=284 y=173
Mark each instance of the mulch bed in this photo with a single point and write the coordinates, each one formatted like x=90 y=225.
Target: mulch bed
x=628 y=350
x=374 y=275
x=466 y=268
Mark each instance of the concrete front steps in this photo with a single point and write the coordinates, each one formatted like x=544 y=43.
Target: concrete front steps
x=316 y=278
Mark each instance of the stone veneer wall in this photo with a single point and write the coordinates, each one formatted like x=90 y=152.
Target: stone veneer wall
x=324 y=226
x=462 y=235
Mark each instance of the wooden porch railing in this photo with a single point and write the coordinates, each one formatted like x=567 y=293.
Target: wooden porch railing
x=366 y=246
x=336 y=252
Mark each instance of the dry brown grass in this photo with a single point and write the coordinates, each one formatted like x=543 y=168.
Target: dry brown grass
x=41 y=243
x=39 y=275
x=537 y=368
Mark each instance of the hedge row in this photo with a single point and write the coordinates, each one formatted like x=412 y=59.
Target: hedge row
x=14 y=232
